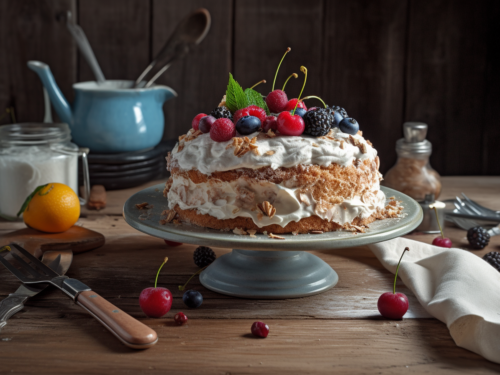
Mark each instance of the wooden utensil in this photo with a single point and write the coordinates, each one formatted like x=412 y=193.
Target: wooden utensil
x=77 y=239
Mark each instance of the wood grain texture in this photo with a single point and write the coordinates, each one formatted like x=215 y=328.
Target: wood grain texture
x=363 y=67
x=446 y=85
x=337 y=331
x=280 y=24
x=118 y=31
x=201 y=78
x=29 y=31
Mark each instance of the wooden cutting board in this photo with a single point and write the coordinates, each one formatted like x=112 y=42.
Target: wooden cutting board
x=76 y=238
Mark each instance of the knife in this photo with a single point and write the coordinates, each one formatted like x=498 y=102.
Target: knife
x=32 y=271
x=59 y=261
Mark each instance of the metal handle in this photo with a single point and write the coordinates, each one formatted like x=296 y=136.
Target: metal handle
x=9 y=306
x=82 y=152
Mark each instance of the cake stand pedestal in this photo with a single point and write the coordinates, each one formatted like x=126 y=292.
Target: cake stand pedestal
x=266 y=268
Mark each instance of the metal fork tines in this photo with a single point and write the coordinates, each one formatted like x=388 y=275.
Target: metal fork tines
x=29 y=269
x=481 y=209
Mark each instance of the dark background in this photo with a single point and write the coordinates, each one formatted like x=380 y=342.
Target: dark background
x=385 y=61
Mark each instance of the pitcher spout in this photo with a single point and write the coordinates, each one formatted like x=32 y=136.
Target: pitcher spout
x=57 y=98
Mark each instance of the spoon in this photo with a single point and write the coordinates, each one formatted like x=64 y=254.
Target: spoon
x=83 y=45
x=188 y=33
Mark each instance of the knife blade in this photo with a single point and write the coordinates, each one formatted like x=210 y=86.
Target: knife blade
x=31 y=271
x=59 y=261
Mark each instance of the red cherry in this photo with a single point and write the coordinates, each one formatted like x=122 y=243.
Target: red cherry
x=260 y=329
x=291 y=105
x=206 y=123
x=155 y=302
x=442 y=242
x=270 y=123
x=180 y=318
x=276 y=101
x=239 y=114
x=196 y=120
x=290 y=125
x=393 y=305
x=172 y=243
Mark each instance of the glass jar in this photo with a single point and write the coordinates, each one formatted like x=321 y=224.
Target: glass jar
x=412 y=174
x=35 y=154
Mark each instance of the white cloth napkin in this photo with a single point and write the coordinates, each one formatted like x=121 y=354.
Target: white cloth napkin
x=454 y=286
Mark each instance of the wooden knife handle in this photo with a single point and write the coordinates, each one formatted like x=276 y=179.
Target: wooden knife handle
x=130 y=331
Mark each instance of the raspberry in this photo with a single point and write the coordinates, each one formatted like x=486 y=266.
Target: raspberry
x=222 y=130
x=252 y=110
x=196 y=120
x=276 y=101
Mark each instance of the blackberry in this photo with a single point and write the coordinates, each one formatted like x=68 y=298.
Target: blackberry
x=478 y=238
x=203 y=256
x=318 y=122
x=493 y=258
x=222 y=112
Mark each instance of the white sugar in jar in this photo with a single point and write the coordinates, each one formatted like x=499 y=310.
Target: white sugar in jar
x=32 y=155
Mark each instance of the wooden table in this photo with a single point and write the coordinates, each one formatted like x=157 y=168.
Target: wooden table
x=337 y=331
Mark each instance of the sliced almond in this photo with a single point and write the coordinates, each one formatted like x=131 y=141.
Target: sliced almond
x=270 y=152
x=276 y=237
x=342 y=144
x=142 y=206
x=295 y=232
x=362 y=147
x=268 y=209
x=316 y=232
x=315 y=145
x=252 y=232
x=256 y=152
x=360 y=133
x=270 y=133
x=239 y=231
x=304 y=199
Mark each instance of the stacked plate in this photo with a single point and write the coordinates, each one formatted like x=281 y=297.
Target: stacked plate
x=126 y=170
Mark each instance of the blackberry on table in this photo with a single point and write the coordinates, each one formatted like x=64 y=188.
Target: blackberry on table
x=222 y=112
x=478 y=238
x=318 y=122
x=203 y=256
x=493 y=258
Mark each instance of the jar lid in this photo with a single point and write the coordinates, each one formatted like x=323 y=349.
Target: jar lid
x=33 y=134
x=414 y=138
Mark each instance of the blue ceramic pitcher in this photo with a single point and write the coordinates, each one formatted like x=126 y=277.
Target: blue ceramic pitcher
x=111 y=117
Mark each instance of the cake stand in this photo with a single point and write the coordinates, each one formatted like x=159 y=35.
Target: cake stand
x=262 y=267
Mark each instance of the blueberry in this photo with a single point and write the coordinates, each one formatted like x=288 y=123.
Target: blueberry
x=299 y=111
x=349 y=126
x=192 y=298
x=339 y=114
x=248 y=125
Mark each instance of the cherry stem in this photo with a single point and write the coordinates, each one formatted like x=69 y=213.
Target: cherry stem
x=294 y=75
x=437 y=219
x=258 y=83
x=182 y=287
x=315 y=97
x=303 y=69
x=3 y=248
x=397 y=269
x=277 y=70
x=158 y=273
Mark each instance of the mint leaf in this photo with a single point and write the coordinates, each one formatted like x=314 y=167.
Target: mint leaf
x=235 y=96
x=255 y=98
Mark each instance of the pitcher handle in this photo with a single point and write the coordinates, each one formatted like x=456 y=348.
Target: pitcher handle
x=83 y=152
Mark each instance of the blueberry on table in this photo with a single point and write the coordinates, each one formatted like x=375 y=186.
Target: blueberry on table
x=192 y=298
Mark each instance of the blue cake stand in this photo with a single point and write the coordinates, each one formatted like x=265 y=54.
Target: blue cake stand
x=263 y=267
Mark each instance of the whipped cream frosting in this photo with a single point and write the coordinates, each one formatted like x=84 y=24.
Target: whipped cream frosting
x=207 y=156
x=238 y=198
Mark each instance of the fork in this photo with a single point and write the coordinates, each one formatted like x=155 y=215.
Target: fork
x=482 y=210
x=466 y=224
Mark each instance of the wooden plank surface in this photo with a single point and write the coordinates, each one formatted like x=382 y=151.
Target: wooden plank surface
x=339 y=330
x=29 y=31
x=119 y=33
x=363 y=67
x=201 y=78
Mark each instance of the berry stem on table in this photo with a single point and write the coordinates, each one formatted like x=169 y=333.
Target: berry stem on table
x=437 y=219
x=3 y=248
x=315 y=97
x=397 y=269
x=182 y=287
x=258 y=83
x=158 y=273
x=294 y=75
x=277 y=70
x=303 y=69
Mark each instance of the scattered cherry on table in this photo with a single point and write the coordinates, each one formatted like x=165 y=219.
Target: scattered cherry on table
x=394 y=305
x=156 y=302
x=180 y=318
x=440 y=241
x=260 y=329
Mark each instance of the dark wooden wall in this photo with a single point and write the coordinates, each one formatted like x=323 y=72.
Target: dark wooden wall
x=385 y=61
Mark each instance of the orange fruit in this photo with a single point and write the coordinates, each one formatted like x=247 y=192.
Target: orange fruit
x=53 y=208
